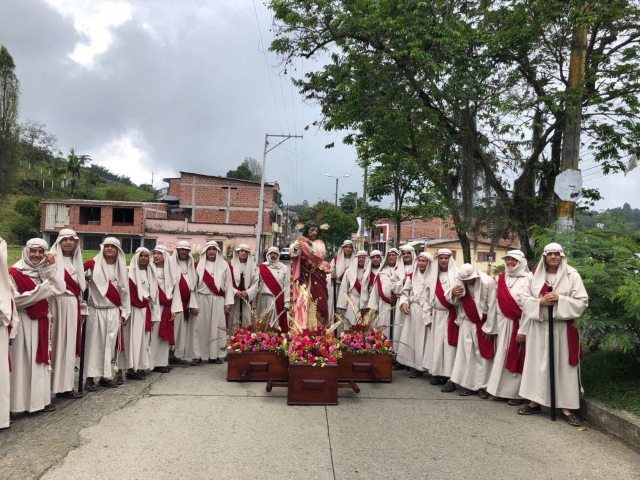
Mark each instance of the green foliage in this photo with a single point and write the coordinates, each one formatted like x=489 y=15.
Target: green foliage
x=349 y=202
x=9 y=140
x=341 y=225
x=249 y=169
x=27 y=223
x=610 y=269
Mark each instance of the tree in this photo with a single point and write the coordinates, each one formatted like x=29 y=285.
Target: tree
x=483 y=85
x=28 y=224
x=9 y=92
x=75 y=166
x=249 y=169
x=38 y=145
x=341 y=224
x=350 y=201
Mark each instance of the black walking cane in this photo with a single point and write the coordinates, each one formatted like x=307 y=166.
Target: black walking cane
x=335 y=299
x=552 y=363
x=241 y=288
x=85 y=297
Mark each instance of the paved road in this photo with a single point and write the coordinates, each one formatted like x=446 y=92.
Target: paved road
x=192 y=424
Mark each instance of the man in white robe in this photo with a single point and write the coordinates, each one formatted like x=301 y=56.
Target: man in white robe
x=558 y=286
x=34 y=280
x=8 y=330
x=368 y=277
x=339 y=264
x=215 y=301
x=274 y=291
x=352 y=285
x=167 y=308
x=382 y=300
x=473 y=294
x=416 y=308
x=68 y=311
x=186 y=281
x=244 y=277
x=513 y=289
x=403 y=273
x=143 y=292
x=440 y=349
x=109 y=310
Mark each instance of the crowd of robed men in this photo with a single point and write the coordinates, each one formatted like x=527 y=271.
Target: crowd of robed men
x=459 y=327
x=163 y=308
x=468 y=331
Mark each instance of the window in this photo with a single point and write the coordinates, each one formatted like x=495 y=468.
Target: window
x=122 y=217
x=489 y=257
x=90 y=215
x=150 y=243
x=91 y=242
x=129 y=245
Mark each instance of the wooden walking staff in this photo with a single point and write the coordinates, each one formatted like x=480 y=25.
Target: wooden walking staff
x=552 y=363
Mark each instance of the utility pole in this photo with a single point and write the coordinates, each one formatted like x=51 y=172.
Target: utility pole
x=337 y=178
x=364 y=204
x=570 y=179
x=258 y=253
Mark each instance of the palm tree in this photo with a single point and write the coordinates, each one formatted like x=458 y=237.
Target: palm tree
x=75 y=164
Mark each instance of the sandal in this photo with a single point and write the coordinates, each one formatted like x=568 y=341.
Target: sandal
x=514 y=402
x=195 y=362
x=529 y=410
x=483 y=394
x=90 y=387
x=437 y=381
x=415 y=373
x=448 y=387
x=217 y=361
x=49 y=408
x=572 y=420
x=465 y=392
x=107 y=383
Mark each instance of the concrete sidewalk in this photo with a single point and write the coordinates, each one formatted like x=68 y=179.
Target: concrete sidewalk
x=191 y=423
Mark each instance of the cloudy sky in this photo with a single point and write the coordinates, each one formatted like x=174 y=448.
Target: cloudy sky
x=165 y=85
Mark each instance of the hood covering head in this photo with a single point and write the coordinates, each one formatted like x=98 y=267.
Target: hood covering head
x=183 y=244
x=136 y=273
x=467 y=272
x=219 y=265
x=236 y=264
x=540 y=275
x=341 y=262
x=100 y=277
x=171 y=271
x=351 y=273
x=26 y=265
x=521 y=269
x=7 y=305
x=270 y=251
x=421 y=280
x=76 y=257
x=403 y=270
x=444 y=251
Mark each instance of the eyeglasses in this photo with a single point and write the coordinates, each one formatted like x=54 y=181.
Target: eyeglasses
x=554 y=254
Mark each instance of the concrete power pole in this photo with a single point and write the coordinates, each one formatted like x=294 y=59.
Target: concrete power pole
x=569 y=181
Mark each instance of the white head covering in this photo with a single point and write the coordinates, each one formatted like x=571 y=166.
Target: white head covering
x=135 y=273
x=351 y=274
x=76 y=257
x=270 y=262
x=521 y=269
x=191 y=269
x=249 y=265
x=540 y=275
x=341 y=264
x=384 y=263
x=219 y=265
x=444 y=251
x=451 y=271
x=171 y=271
x=420 y=280
x=184 y=245
x=467 y=272
x=99 y=276
x=401 y=269
x=27 y=266
x=7 y=305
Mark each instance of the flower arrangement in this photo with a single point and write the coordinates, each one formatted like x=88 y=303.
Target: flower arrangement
x=250 y=340
x=317 y=347
x=362 y=340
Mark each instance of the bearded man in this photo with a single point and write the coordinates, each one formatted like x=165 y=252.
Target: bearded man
x=415 y=305
x=368 y=278
x=382 y=299
x=310 y=293
x=473 y=294
x=440 y=349
x=339 y=264
x=109 y=309
x=185 y=285
x=351 y=287
x=274 y=290
x=244 y=277
x=34 y=280
x=513 y=289
x=215 y=298
x=8 y=330
x=68 y=311
x=559 y=286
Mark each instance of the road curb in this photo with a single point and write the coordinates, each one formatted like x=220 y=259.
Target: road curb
x=618 y=423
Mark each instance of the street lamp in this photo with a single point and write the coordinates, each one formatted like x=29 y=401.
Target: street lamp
x=337 y=178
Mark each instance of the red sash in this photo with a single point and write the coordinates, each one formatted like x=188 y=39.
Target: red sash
x=485 y=343
x=452 y=328
x=39 y=311
x=274 y=287
x=74 y=287
x=185 y=296
x=211 y=283
x=165 y=331
x=573 y=337
x=511 y=310
x=144 y=303
x=372 y=277
x=112 y=293
x=358 y=286
x=381 y=294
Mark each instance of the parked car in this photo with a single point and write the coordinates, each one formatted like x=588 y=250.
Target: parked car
x=284 y=254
